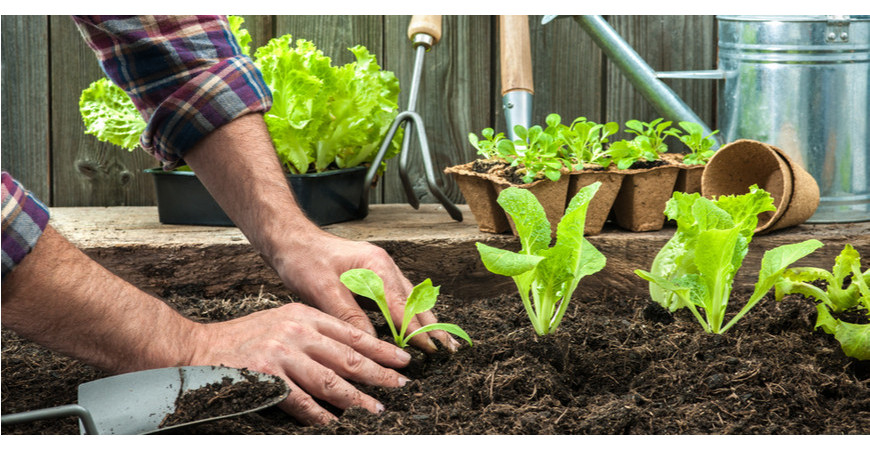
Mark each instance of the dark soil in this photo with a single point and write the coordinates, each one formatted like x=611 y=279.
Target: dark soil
x=224 y=398
x=615 y=366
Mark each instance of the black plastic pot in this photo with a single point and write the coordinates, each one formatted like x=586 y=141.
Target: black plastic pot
x=326 y=197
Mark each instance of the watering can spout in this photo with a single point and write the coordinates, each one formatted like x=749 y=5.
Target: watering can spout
x=641 y=75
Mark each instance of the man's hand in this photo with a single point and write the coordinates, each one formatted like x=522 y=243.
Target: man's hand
x=312 y=351
x=62 y=299
x=238 y=165
x=315 y=277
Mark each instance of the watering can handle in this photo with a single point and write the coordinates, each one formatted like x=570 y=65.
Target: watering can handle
x=427 y=25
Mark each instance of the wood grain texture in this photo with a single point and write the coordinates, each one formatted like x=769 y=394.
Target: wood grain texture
x=455 y=98
x=84 y=170
x=425 y=243
x=666 y=43
x=515 y=54
x=25 y=127
x=459 y=92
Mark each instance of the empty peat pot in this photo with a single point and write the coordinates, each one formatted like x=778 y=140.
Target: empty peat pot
x=738 y=165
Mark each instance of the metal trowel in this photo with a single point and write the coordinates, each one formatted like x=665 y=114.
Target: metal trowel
x=137 y=402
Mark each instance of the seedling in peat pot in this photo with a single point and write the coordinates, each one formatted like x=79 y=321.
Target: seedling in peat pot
x=549 y=274
x=839 y=295
x=696 y=267
x=366 y=283
x=700 y=145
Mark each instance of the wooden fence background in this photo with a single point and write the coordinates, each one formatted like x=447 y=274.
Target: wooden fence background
x=46 y=65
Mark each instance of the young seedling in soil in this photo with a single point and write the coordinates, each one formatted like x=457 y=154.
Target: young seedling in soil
x=366 y=283
x=700 y=145
x=585 y=141
x=839 y=295
x=696 y=267
x=653 y=134
x=546 y=277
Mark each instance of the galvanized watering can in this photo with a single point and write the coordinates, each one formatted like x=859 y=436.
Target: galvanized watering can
x=800 y=83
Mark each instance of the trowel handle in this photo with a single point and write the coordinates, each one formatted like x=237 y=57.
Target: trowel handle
x=55 y=412
x=516 y=54
x=429 y=25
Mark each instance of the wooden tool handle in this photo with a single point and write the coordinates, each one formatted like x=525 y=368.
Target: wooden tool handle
x=430 y=25
x=516 y=54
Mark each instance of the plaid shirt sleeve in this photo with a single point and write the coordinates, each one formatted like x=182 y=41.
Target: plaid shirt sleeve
x=185 y=74
x=24 y=219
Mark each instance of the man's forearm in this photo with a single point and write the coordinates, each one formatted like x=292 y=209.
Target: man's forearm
x=62 y=299
x=238 y=165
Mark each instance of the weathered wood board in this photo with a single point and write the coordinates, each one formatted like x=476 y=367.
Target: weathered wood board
x=425 y=243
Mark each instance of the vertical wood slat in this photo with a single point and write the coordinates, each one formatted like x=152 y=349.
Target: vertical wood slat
x=455 y=97
x=666 y=43
x=25 y=127
x=87 y=172
x=457 y=94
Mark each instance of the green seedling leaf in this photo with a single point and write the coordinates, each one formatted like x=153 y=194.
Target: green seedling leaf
x=708 y=248
x=366 y=283
x=854 y=338
x=546 y=277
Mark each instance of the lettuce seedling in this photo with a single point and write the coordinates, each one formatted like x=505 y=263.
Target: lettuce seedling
x=835 y=298
x=654 y=133
x=536 y=151
x=700 y=145
x=585 y=141
x=546 y=277
x=697 y=266
x=488 y=145
x=366 y=283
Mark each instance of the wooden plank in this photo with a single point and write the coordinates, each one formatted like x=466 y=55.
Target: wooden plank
x=261 y=29
x=25 y=130
x=425 y=243
x=86 y=171
x=666 y=43
x=455 y=98
x=335 y=34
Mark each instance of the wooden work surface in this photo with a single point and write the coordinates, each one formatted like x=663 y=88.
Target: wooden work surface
x=425 y=243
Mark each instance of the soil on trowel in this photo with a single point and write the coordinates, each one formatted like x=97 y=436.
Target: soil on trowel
x=224 y=398
x=616 y=365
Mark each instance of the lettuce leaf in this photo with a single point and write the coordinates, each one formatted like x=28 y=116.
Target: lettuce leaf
x=546 y=277
x=109 y=114
x=324 y=116
x=697 y=266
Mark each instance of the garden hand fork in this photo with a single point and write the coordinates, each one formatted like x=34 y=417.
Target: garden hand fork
x=424 y=32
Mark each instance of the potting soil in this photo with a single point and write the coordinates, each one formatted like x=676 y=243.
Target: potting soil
x=614 y=366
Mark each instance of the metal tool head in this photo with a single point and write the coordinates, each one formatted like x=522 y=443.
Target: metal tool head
x=137 y=402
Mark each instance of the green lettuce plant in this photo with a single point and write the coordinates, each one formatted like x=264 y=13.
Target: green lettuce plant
x=110 y=116
x=536 y=150
x=322 y=115
x=584 y=141
x=701 y=146
x=652 y=134
x=696 y=267
x=487 y=144
x=845 y=288
x=546 y=277
x=367 y=283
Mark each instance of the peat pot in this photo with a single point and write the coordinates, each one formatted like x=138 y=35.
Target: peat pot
x=326 y=197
